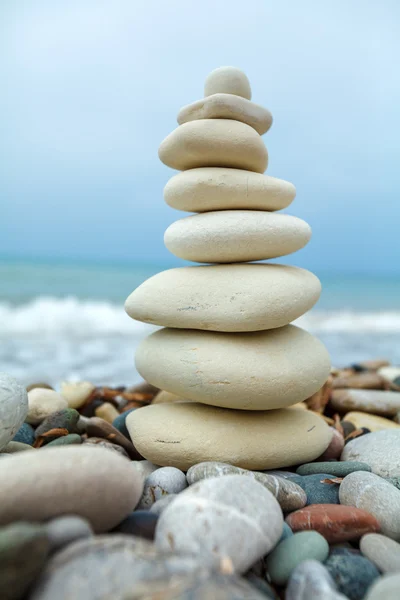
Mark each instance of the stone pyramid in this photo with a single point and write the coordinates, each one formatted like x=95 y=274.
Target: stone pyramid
x=227 y=348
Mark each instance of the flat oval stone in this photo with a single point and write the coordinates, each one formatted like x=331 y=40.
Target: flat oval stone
x=352 y=573
x=364 y=381
x=42 y=403
x=382 y=551
x=289 y=495
x=213 y=188
x=163 y=481
x=232 y=236
x=92 y=483
x=375 y=495
x=184 y=434
x=110 y=566
x=311 y=580
x=372 y=422
x=214 y=143
x=378 y=402
x=227 y=106
x=385 y=588
x=13 y=408
x=335 y=522
x=260 y=370
x=231 y=516
x=380 y=450
x=229 y=298
x=66 y=440
x=337 y=468
x=227 y=80
x=294 y=550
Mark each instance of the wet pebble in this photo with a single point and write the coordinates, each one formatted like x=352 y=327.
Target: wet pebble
x=230 y=516
x=294 y=550
x=352 y=573
x=163 y=481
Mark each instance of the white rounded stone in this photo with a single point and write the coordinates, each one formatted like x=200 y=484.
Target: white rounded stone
x=379 y=449
x=231 y=236
x=42 y=403
x=214 y=143
x=213 y=188
x=382 y=551
x=13 y=407
x=218 y=518
x=234 y=298
x=185 y=434
x=227 y=106
x=228 y=80
x=385 y=588
x=260 y=370
x=76 y=393
x=89 y=482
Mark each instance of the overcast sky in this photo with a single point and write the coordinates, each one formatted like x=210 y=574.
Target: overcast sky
x=89 y=89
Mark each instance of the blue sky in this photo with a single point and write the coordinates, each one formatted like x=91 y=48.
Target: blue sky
x=92 y=87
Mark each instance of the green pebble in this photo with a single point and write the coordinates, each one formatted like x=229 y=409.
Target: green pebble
x=65 y=440
x=67 y=418
x=337 y=468
x=13 y=447
x=292 y=551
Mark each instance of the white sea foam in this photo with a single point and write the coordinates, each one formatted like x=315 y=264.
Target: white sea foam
x=52 y=339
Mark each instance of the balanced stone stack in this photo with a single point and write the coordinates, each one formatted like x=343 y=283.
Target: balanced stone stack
x=227 y=349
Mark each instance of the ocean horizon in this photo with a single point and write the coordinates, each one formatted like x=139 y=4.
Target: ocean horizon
x=64 y=320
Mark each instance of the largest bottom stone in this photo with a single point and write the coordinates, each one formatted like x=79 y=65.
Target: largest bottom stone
x=184 y=434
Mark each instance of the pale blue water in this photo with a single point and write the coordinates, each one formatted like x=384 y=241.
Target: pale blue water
x=63 y=321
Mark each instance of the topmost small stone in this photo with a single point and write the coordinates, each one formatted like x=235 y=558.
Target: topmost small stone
x=227 y=80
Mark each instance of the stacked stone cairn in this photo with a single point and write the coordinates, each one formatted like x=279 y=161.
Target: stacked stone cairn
x=227 y=357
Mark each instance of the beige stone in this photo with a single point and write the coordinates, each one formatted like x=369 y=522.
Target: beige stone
x=227 y=80
x=213 y=188
x=163 y=397
x=227 y=106
x=231 y=236
x=184 y=434
x=214 y=143
x=234 y=298
x=76 y=393
x=260 y=370
x=371 y=422
x=42 y=403
x=90 y=482
x=107 y=411
x=378 y=402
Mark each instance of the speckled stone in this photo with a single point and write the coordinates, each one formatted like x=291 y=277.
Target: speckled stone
x=231 y=516
x=141 y=523
x=65 y=530
x=25 y=434
x=163 y=481
x=375 y=495
x=380 y=450
x=311 y=581
x=352 y=573
x=385 y=588
x=112 y=566
x=318 y=492
x=337 y=523
x=382 y=551
x=119 y=423
x=338 y=469
x=13 y=407
x=294 y=550
x=23 y=552
x=289 y=495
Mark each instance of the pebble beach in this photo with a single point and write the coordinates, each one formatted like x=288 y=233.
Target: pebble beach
x=242 y=465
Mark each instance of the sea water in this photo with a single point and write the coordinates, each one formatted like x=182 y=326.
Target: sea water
x=61 y=321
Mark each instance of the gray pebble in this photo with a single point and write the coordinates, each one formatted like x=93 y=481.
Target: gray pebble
x=382 y=551
x=311 y=580
x=160 y=483
x=145 y=467
x=162 y=503
x=231 y=516
x=385 y=588
x=379 y=449
x=64 y=530
x=13 y=407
